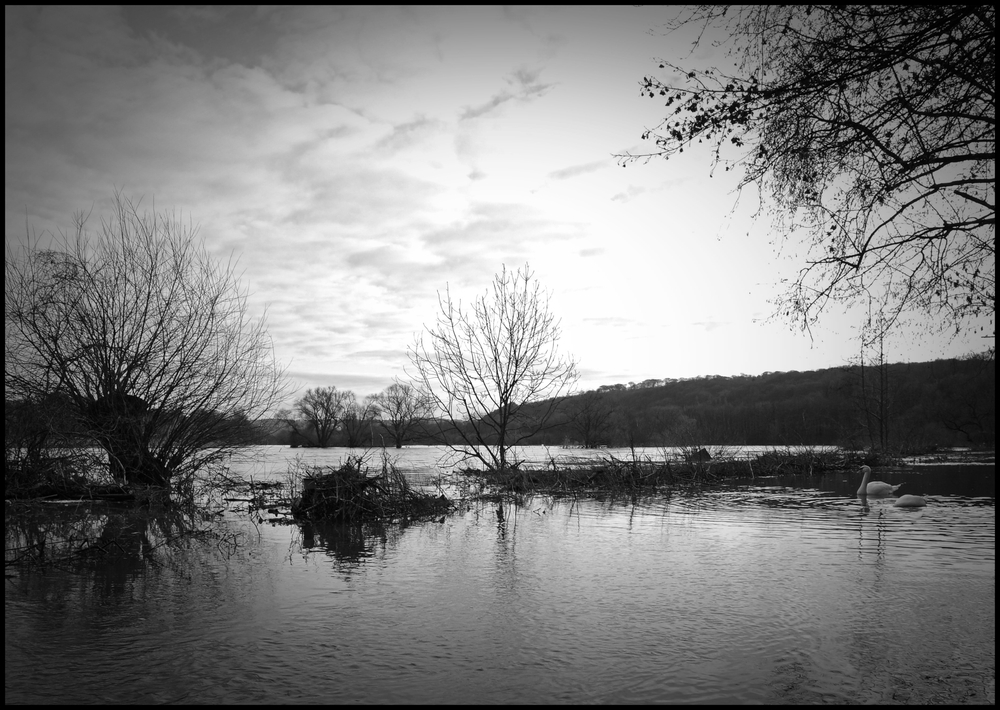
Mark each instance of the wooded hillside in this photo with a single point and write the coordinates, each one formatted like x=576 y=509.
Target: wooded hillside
x=903 y=406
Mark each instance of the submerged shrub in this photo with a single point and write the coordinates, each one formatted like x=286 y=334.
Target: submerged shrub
x=355 y=492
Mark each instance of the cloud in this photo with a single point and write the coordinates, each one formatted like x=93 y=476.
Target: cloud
x=629 y=194
x=406 y=135
x=526 y=87
x=361 y=385
x=527 y=83
x=500 y=226
x=575 y=170
x=483 y=109
x=384 y=355
x=351 y=200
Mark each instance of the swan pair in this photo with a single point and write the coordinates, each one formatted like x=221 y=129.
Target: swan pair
x=879 y=488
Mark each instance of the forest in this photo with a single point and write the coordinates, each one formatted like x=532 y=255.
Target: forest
x=891 y=407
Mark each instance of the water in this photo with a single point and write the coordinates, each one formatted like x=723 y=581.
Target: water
x=766 y=591
x=272 y=461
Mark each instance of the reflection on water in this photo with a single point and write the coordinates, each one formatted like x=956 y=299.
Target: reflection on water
x=749 y=593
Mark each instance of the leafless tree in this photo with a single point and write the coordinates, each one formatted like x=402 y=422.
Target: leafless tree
x=359 y=420
x=148 y=339
x=873 y=129
x=591 y=415
x=874 y=398
x=480 y=368
x=321 y=410
x=402 y=408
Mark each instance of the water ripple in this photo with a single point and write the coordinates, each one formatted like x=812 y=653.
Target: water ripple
x=757 y=593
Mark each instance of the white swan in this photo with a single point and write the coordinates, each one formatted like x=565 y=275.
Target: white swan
x=875 y=488
x=909 y=501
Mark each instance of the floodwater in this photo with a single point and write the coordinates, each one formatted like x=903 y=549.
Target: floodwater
x=763 y=591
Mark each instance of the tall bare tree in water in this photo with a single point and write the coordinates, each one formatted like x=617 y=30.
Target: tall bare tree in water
x=359 y=420
x=481 y=368
x=590 y=417
x=149 y=340
x=873 y=129
x=322 y=410
x=402 y=408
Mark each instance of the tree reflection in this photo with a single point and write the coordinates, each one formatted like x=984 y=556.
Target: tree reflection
x=350 y=543
x=123 y=539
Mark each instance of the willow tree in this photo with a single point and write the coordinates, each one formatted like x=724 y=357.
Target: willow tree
x=872 y=128
x=494 y=371
x=148 y=339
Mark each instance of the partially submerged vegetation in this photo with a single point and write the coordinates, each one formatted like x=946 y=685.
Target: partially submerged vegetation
x=69 y=475
x=643 y=474
x=95 y=517
x=358 y=492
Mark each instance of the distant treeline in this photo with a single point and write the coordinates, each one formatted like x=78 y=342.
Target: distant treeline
x=905 y=406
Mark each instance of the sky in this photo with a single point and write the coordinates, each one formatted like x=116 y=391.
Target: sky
x=359 y=160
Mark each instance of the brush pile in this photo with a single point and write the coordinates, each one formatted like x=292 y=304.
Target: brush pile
x=354 y=492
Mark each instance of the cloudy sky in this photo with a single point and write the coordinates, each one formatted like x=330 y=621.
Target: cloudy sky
x=360 y=159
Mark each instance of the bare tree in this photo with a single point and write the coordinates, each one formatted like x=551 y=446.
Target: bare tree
x=873 y=128
x=480 y=368
x=402 y=408
x=874 y=399
x=148 y=339
x=321 y=410
x=359 y=419
x=591 y=415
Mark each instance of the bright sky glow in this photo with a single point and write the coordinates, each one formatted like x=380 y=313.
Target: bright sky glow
x=358 y=159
